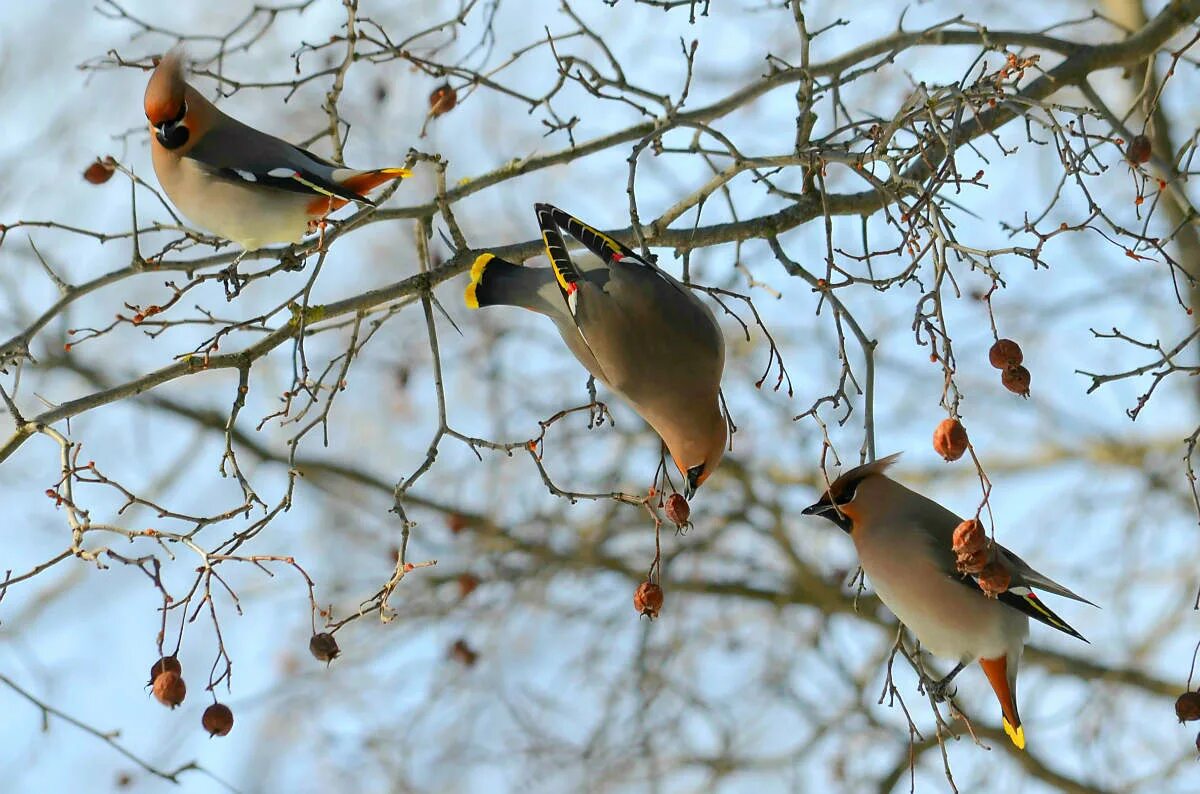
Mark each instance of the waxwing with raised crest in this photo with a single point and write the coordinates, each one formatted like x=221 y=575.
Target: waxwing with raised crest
x=235 y=181
x=904 y=544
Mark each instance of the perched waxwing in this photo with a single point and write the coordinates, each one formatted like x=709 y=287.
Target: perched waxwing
x=904 y=543
x=634 y=327
x=232 y=180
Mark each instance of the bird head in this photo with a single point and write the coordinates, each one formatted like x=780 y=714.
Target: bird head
x=166 y=101
x=838 y=503
x=698 y=455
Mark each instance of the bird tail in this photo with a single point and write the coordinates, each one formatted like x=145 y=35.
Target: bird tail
x=358 y=183
x=1005 y=687
x=363 y=182
x=596 y=241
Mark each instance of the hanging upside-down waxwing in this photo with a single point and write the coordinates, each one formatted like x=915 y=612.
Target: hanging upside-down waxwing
x=232 y=180
x=635 y=328
x=904 y=543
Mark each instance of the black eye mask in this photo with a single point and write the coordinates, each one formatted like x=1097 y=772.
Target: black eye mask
x=173 y=134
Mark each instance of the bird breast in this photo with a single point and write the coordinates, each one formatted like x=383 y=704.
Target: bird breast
x=950 y=619
x=249 y=216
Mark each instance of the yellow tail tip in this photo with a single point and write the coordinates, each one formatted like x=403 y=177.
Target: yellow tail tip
x=399 y=173
x=477 y=268
x=1017 y=735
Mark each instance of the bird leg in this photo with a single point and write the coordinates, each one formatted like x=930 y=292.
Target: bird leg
x=941 y=689
x=596 y=409
x=232 y=280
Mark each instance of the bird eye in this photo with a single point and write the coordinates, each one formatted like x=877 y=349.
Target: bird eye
x=172 y=135
x=847 y=494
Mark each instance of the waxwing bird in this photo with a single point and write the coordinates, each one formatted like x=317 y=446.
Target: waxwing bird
x=904 y=543
x=635 y=328
x=232 y=180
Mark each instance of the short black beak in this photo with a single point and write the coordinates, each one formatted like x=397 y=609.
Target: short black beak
x=816 y=509
x=689 y=489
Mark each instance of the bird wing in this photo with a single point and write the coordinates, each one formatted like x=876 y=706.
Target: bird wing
x=240 y=153
x=940 y=524
x=1024 y=575
x=1025 y=600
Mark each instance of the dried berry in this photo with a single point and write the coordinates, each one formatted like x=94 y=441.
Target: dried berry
x=463 y=653
x=974 y=562
x=648 y=599
x=1187 y=707
x=950 y=439
x=100 y=171
x=169 y=688
x=163 y=664
x=1005 y=353
x=323 y=647
x=677 y=509
x=969 y=538
x=1016 y=380
x=442 y=100
x=467 y=584
x=456 y=523
x=1139 y=150
x=994 y=579
x=217 y=719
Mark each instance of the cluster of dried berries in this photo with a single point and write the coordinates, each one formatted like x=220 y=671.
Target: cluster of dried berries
x=166 y=681
x=950 y=439
x=975 y=555
x=648 y=599
x=1006 y=356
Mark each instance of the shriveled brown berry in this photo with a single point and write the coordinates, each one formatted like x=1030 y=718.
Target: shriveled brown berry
x=456 y=523
x=100 y=171
x=323 y=647
x=463 y=653
x=969 y=537
x=163 y=664
x=1187 y=706
x=994 y=579
x=974 y=562
x=442 y=100
x=950 y=439
x=466 y=584
x=1005 y=353
x=217 y=719
x=1016 y=380
x=1139 y=150
x=648 y=599
x=169 y=688
x=677 y=509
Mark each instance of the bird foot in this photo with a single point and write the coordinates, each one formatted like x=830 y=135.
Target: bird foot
x=293 y=261
x=233 y=281
x=940 y=691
